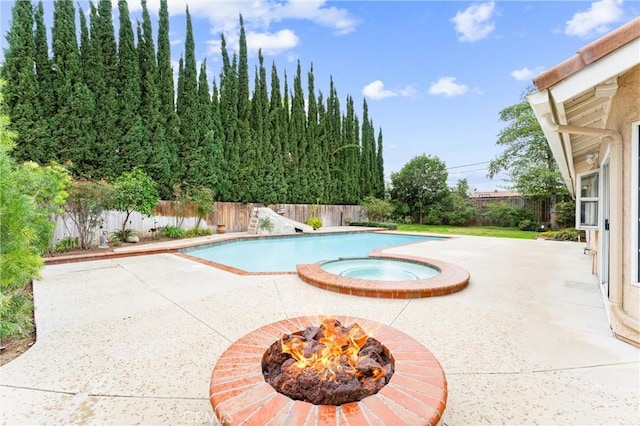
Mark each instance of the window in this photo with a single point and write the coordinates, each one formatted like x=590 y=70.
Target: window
x=588 y=201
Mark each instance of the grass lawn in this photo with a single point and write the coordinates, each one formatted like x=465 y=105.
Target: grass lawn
x=482 y=231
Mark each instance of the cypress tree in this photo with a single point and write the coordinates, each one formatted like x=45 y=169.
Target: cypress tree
x=229 y=119
x=102 y=78
x=210 y=157
x=187 y=108
x=20 y=90
x=298 y=143
x=262 y=148
x=247 y=184
x=132 y=153
x=313 y=155
x=278 y=134
x=46 y=94
x=73 y=123
x=367 y=154
x=154 y=132
x=168 y=117
x=334 y=136
x=290 y=157
x=222 y=185
x=380 y=188
x=323 y=150
x=348 y=154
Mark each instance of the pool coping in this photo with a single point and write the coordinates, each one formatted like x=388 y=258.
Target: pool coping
x=451 y=279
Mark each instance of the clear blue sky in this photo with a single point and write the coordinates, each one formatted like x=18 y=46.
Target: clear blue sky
x=435 y=73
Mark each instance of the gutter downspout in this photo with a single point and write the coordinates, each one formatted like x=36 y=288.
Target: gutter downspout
x=615 y=227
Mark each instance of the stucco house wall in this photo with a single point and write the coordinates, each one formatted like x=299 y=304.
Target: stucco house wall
x=625 y=110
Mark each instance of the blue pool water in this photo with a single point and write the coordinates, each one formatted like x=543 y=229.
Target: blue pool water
x=282 y=254
x=380 y=269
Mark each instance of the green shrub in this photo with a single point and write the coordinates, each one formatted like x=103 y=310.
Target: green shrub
x=198 y=232
x=121 y=235
x=529 y=225
x=388 y=225
x=569 y=234
x=67 y=244
x=376 y=209
x=173 y=232
x=314 y=222
x=264 y=223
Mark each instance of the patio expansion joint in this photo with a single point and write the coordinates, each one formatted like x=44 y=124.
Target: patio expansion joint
x=400 y=313
x=547 y=370
x=176 y=304
x=284 y=308
x=104 y=395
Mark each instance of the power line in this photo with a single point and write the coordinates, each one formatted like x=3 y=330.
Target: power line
x=468 y=165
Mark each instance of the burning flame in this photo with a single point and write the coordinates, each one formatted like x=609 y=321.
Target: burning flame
x=337 y=351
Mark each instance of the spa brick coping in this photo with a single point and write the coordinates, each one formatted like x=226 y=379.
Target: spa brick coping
x=415 y=395
x=451 y=279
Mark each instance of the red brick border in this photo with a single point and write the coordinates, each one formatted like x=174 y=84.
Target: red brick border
x=451 y=279
x=416 y=393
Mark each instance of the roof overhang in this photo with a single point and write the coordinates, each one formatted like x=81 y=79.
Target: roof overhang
x=579 y=92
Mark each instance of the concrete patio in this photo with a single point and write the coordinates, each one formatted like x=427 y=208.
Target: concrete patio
x=133 y=340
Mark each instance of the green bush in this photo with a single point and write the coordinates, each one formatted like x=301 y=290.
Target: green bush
x=173 y=232
x=529 y=225
x=500 y=213
x=264 y=223
x=569 y=234
x=121 y=235
x=198 y=232
x=314 y=222
x=388 y=225
x=29 y=196
x=67 y=244
x=376 y=209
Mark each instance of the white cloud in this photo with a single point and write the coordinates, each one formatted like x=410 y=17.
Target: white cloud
x=272 y=44
x=522 y=74
x=257 y=14
x=375 y=90
x=595 y=19
x=448 y=87
x=474 y=23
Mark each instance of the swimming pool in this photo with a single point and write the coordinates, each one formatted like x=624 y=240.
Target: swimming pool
x=282 y=254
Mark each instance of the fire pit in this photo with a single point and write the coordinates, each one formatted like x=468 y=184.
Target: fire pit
x=399 y=380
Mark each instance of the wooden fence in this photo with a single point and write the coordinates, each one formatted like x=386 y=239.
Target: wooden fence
x=234 y=215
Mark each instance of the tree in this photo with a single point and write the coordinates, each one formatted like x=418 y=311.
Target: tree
x=132 y=151
x=376 y=208
x=190 y=152
x=27 y=196
x=420 y=186
x=460 y=210
x=527 y=158
x=85 y=204
x=134 y=191
x=21 y=89
x=168 y=117
x=101 y=77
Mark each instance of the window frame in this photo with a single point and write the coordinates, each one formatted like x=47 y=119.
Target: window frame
x=580 y=199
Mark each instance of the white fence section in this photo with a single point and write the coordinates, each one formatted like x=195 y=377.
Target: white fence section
x=112 y=221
